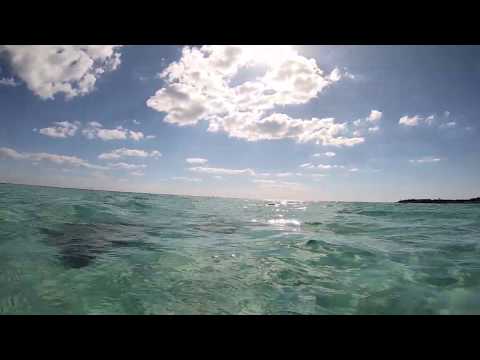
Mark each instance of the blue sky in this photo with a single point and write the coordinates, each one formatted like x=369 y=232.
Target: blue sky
x=368 y=123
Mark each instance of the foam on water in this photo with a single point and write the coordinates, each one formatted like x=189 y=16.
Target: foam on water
x=65 y=251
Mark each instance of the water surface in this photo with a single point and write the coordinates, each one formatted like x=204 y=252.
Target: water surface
x=67 y=251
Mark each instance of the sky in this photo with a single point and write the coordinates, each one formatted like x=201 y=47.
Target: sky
x=321 y=123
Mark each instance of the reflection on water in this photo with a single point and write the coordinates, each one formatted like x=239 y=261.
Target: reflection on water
x=66 y=251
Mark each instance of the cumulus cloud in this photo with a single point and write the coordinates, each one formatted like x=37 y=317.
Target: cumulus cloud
x=368 y=124
x=221 y=171
x=426 y=159
x=8 y=82
x=69 y=69
x=374 y=116
x=199 y=87
x=124 y=152
x=62 y=130
x=196 y=161
x=54 y=158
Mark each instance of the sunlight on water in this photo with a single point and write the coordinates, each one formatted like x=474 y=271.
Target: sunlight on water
x=66 y=251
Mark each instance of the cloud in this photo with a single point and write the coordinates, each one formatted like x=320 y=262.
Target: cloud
x=374 y=116
x=62 y=130
x=353 y=170
x=8 y=82
x=450 y=124
x=137 y=173
x=123 y=152
x=135 y=135
x=328 y=153
x=199 y=87
x=54 y=158
x=150 y=137
x=264 y=181
x=95 y=130
x=196 y=161
x=409 y=121
x=275 y=183
x=136 y=122
x=184 y=178
x=307 y=166
x=426 y=159
x=73 y=70
x=416 y=120
x=126 y=166
x=221 y=171
x=328 y=167
x=69 y=69
x=365 y=125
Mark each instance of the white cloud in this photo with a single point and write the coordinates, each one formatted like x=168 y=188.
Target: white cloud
x=136 y=122
x=264 y=181
x=365 y=125
x=353 y=170
x=450 y=124
x=137 y=173
x=198 y=87
x=374 y=116
x=150 y=137
x=69 y=69
x=95 y=130
x=284 y=174
x=135 y=135
x=275 y=183
x=307 y=166
x=221 y=171
x=328 y=167
x=184 y=178
x=54 y=158
x=416 y=120
x=62 y=130
x=123 y=152
x=8 y=82
x=410 y=120
x=328 y=153
x=126 y=166
x=196 y=161
x=426 y=159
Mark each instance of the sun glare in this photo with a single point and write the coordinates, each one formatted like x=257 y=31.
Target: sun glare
x=270 y=55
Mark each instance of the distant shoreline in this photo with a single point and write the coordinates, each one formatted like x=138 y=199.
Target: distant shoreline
x=440 y=201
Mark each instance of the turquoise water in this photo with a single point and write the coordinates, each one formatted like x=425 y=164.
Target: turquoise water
x=65 y=251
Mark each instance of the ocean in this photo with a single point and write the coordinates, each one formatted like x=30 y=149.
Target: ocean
x=68 y=251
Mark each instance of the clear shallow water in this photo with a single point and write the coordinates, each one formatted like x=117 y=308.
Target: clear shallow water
x=65 y=251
